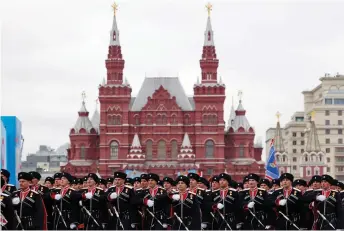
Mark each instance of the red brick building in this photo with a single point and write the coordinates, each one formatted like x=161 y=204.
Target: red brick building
x=163 y=130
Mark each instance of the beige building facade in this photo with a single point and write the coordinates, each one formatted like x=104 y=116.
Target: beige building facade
x=326 y=101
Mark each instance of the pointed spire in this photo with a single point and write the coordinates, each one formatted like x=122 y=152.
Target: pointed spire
x=103 y=83
x=83 y=122
x=278 y=141
x=197 y=80
x=240 y=120
x=186 y=148
x=136 y=145
x=231 y=116
x=95 y=120
x=114 y=33
x=313 y=144
x=186 y=141
x=209 y=34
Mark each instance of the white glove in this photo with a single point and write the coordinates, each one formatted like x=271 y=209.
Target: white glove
x=133 y=226
x=220 y=206
x=58 y=197
x=89 y=195
x=164 y=226
x=250 y=205
x=72 y=226
x=16 y=200
x=113 y=195
x=204 y=225
x=176 y=197
x=268 y=227
x=150 y=203
x=238 y=226
x=282 y=202
x=321 y=198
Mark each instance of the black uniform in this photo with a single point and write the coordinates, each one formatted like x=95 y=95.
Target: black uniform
x=96 y=206
x=259 y=197
x=7 y=212
x=67 y=209
x=229 y=198
x=45 y=194
x=331 y=208
x=30 y=208
x=205 y=204
x=8 y=189
x=291 y=209
x=123 y=204
x=188 y=210
x=160 y=210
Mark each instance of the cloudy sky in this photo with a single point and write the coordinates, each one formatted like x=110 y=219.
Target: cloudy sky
x=271 y=50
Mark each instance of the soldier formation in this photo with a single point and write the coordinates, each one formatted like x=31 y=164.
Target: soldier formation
x=186 y=203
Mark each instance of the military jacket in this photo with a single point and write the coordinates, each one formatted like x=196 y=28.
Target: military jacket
x=8 y=189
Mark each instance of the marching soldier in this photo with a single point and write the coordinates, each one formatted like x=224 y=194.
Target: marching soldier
x=155 y=199
x=109 y=182
x=203 y=183
x=57 y=180
x=315 y=182
x=215 y=184
x=265 y=184
x=7 y=211
x=144 y=181
x=102 y=184
x=245 y=182
x=137 y=183
x=29 y=208
x=300 y=185
x=93 y=204
x=254 y=202
x=6 y=187
x=168 y=184
x=328 y=207
x=65 y=204
x=129 y=181
x=185 y=207
x=49 y=182
x=288 y=204
x=122 y=212
x=225 y=204
x=41 y=189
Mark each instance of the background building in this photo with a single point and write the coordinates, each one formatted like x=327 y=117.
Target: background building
x=14 y=146
x=324 y=136
x=162 y=129
x=46 y=160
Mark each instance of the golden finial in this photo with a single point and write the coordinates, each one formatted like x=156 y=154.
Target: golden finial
x=83 y=96
x=209 y=8
x=278 y=115
x=115 y=8
x=312 y=115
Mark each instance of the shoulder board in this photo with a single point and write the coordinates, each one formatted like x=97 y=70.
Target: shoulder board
x=34 y=191
x=279 y=189
x=334 y=190
x=318 y=190
x=161 y=188
x=9 y=185
x=17 y=191
x=342 y=191
x=310 y=189
x=99 y=188
x=129 y=186
x=56 y=188
x=201 y=189
x=208 y=190
x=72 y=189
x=297 y=189
x=138 y=189
x=193 y=193
x=4 y=194
x=245 y=189
x=262 y=189
x=216 y=190
x=232 y=189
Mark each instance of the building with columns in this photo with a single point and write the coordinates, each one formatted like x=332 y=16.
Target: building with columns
x=312 y=142
x=163 y=130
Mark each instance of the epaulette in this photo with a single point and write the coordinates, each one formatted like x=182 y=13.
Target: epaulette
x=161 y=188
x=4 y=194
x=245 y=189
x=129 y=186
x=297 y=189
x=233 y=189
x=310 y=189
x=208 y=190
x=318 y=190
x=278 y=189
x=99 y=188
x=262 y=189
x=201 y=189
x=215 y=190
x=192 y=193
x=34 y=191
x=17 y=191
x=136 y=189
x=334 y=190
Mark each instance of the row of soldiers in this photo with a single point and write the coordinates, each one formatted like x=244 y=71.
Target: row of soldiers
x=186 y=203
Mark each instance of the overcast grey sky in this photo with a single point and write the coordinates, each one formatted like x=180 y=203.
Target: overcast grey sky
x=271 y=50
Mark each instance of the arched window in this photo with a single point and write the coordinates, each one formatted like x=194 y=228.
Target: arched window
x=205 y=119
x=316 y=171
x=149 y=149
x=109 y=119
x=162 y=150
x=241 y=150
x=174 y=149
x=82 y=152
x=284 y=159
x=163 y=119
x=174 y=119
x=187 y=119
x=137 y=120
x=114 y=150
x=209 y=149
x=149 y=119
